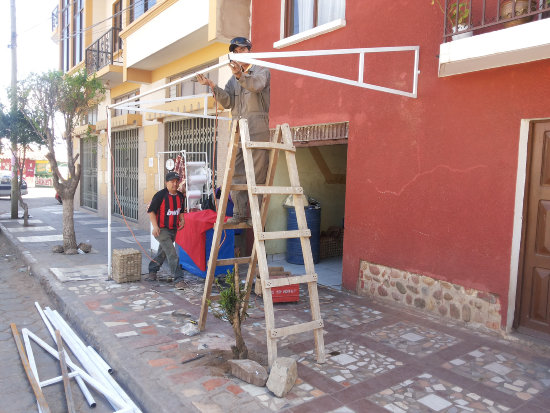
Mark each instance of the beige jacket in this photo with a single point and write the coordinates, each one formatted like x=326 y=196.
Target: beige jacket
x=248 y=97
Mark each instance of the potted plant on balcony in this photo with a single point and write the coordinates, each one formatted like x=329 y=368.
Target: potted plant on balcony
x=522 y=7
x=458 y=17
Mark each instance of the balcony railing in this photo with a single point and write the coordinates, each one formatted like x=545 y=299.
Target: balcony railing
x=482 y=16
x=55 y=18
x=100 y=53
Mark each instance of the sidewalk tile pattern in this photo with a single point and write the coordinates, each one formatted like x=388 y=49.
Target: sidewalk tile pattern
x=427 y=393
x=503 y=371
x=412 y=339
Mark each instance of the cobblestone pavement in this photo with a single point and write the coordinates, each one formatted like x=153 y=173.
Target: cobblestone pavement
x=380 y=357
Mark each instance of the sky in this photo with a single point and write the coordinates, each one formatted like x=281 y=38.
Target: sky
x=36 y=51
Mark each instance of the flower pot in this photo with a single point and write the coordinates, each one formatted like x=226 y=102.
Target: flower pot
x=522 y=7
x=461 y=34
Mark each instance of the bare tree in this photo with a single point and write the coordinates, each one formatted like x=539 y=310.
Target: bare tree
x=49 y=94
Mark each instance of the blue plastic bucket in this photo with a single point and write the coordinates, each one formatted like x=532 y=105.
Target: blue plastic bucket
x=293 y=247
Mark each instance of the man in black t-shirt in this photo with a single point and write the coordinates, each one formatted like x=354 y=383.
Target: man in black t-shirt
x=166 y=215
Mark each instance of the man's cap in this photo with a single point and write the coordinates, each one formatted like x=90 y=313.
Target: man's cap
x=170 y=176
x=239 y=42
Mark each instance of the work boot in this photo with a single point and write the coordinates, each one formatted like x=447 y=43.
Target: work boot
x=152 y=276
x=236 y=219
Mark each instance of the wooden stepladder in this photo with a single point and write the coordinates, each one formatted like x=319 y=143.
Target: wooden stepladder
x=259 y=215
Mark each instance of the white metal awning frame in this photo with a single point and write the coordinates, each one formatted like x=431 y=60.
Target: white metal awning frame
x=135 y=103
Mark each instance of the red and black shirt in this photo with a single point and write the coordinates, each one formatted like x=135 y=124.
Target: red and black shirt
x=167 y=207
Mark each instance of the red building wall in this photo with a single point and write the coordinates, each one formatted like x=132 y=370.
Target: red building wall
x=430 y=181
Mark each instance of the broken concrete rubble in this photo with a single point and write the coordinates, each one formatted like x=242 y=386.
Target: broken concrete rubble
x=283 y=375
x=249 y=371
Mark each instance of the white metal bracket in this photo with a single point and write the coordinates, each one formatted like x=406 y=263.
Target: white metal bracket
x=257 y=59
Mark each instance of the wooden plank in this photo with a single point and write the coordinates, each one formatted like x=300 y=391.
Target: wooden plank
x=298 y=233
x=241 y=225
x=34 y=384
x=231 y=261
x=258 y=242
x=296 y=279
x=297 y=328
x=64 y=373
x=306 y=246
x=277 y=190
x=239 y=187
x=273 y=158
x=218 y=227
x=270 y=145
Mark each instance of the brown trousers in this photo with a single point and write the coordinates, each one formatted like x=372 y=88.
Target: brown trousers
x=261 y=163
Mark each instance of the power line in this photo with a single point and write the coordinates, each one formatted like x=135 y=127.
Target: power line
x=133 y=5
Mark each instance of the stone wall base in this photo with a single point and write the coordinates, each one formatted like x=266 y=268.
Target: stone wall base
x=426 y=293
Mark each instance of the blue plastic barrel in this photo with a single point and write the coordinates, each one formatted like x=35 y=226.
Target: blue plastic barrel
x=293 y=247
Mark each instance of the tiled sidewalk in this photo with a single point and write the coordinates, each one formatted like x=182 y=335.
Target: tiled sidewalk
x=379 y=357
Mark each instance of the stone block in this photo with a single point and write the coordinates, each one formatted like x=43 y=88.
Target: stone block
x=400 y=287
x=249 y=371
x=382 y=291
x=282 y=377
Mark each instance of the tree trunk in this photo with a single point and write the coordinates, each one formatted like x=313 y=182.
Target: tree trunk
x=239 y=351
x=25 y=210
x=69 y=237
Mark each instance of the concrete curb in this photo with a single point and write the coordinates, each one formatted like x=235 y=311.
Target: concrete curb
x=148 y=394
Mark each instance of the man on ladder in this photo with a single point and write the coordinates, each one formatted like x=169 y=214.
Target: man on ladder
x=247 y=95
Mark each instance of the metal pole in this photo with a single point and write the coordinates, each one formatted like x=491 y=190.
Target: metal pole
x=13 y=46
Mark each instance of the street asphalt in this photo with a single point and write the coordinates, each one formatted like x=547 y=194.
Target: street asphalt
x=380 y=357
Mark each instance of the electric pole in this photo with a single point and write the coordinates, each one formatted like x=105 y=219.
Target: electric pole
x=14 y=180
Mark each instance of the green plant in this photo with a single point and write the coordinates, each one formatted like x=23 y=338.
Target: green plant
x=230 y=308
x=458 y=12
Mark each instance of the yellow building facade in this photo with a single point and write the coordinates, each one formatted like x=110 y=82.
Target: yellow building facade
x=134 y=47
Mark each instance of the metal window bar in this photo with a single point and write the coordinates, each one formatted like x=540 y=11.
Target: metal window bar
x=320 y=132
x=125 y=153
x=88 y=182
x=487 y=15
x=100 y=53
x=193 y=135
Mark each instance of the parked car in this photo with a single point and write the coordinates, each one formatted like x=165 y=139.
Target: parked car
x=5 y=185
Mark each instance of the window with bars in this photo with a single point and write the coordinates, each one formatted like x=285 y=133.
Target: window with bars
x=78 y=34
x=119 y=112
x=139 y=7
x=302 y=15
x=191 y=88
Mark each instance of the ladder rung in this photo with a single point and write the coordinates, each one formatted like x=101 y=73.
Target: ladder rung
x=281 y=190
x=239 y=187
x=297 y=328
x=236 y=260
x=285 y=234
x=297 y=279
x=270 y=145
x=241 y=225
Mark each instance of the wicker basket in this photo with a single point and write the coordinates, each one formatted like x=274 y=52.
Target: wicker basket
x=126 y=265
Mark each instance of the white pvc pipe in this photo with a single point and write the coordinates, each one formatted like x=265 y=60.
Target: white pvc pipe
x=95 y=365
x=116 y=399
x=72 y=342
x=57 y=379
x=109 y=379
x=175 y=82
x=100 y=359
x=87 y=395
x=32 y=363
